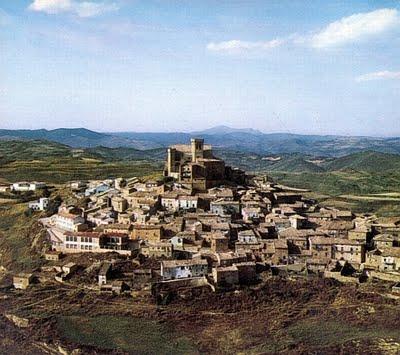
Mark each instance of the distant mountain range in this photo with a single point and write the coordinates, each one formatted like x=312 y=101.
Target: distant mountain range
x=221 y=137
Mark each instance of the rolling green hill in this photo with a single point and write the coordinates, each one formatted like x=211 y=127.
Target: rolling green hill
x=31 y=150
x=369 y=161
x=124 y=153
x=57 y=163
x=296 y=163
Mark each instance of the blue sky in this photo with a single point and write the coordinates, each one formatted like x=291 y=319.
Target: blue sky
x=320 y=67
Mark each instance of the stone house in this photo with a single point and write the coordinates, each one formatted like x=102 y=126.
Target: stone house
x=22 y=281
x=150 y=233
x=383 y=260
x=382 y=241
x=219 y=243
x=226 y=276
x=157 y=249
x=351 y=251
x=119 y=204
x=321 y=247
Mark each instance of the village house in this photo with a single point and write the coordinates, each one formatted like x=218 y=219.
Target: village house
x=317 y=265
x=382 y=241
x=265 y=231
x=115 y=241
x=274 y=251
x=177 y=269
x=78 y=242
x=143 y=200
x=69 y=222
x=247 y=236
x=141 y=216
x=297 y=221
x=119 y=204
x=177 y=241
x=102 y=217
x=279 y=221
x=97 y=189
x=170 y=201
x=219 y=243
x=335 y=228
x=157 y=249
x=22 y=281
x=115 y=228
x=386 y=260
x=150 y=233
x=321 y=247
x=40 y=205
x=252 y=214
x=225 y=207
x=125 y=217
x=226 y=276
x=52 y=255
x=351 y=251
x=77 y=185
x=24 y=186
x=228 y=258
x=221 y=193
x=187 y=202
x=360 y=233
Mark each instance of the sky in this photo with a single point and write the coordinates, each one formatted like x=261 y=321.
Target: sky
x=309 y=67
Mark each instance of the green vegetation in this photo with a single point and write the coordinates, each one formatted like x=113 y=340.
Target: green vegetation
x=319 y=336
x=367 y=161
x=18 y=231
x=341 y=182
x=57 y=163
x=66 y=169
x=31 y=150
x=133 y=335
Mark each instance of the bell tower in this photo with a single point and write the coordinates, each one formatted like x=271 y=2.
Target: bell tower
x=197 y=147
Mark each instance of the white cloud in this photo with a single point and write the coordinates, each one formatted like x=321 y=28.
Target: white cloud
x=380 y=75
x=236 y=46
x=344 y=31
x=81 y=9
x=355 y=27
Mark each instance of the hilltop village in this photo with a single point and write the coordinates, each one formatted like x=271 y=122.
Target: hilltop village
x=204 y=225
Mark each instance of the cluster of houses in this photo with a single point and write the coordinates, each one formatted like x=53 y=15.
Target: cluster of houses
x=227 y=234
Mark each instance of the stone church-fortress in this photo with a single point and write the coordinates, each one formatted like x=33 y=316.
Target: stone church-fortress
x=195 y=167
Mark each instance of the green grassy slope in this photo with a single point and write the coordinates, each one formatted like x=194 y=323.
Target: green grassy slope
x=368 y=161
x=31 y=150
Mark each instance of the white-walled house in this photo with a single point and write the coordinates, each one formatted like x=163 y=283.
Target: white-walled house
x=27 y=186
x=175 y=202
x=188 y=202
x=179 y=269
x=247 y=236
x=39 y=205
x=69 y=222
x=170 y=201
